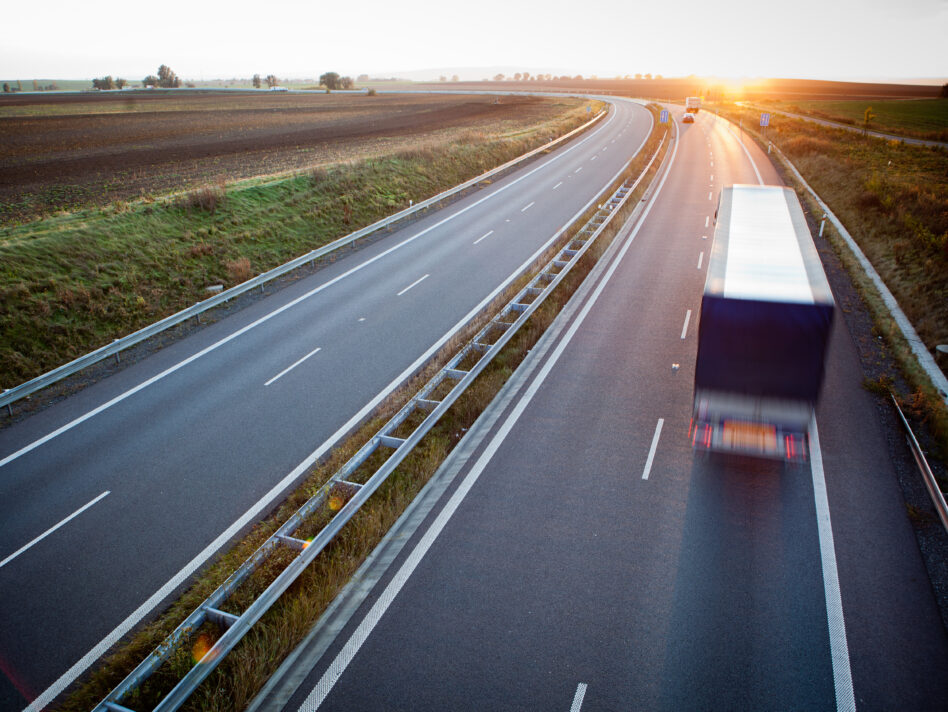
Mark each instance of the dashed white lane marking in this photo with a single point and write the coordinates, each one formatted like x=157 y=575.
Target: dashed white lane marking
x=49 y=531
x=527 y=207
x=594 y=158
x=578 y=169
x=704 y=237
x=709 y=194
x=413 y=284
x=361 y=318
x=287 y=370
x=700 y=259
x=578 y=697
x=712 y=164
x=684 y=329
x=707 y=220
x=557 y=185
x=653 y=448
x=483 y=237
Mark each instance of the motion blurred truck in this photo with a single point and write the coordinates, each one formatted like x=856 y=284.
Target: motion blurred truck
x=692 y=104
x=765 y=323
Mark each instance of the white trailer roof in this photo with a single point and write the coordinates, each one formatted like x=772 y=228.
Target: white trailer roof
x=764 y=251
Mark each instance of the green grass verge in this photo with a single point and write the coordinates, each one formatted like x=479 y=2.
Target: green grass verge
x=893 y=199
x=243 y=673
x=917 y=118
x=72 y=283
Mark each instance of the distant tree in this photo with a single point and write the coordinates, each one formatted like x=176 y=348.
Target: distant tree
x=272 y=81
x=648 y=76
x=35 y=85
x=104 y=83
x=256 y=81
x=6 y=88
x=578 y=77
x=944 y=91
x=442 y=78
x=498 y=77
x=658 y=76
x=517 y=76
x=120 y=83
x=526 y=76
x=867 y=116
x=638 y=75
x=455 y=78
x=549 y=77
x=330 y=80
x=151 y=81
x=167 y=79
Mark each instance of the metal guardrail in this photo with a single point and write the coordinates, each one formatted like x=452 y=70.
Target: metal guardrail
x=346 y=496
x=931 y=484
x=11 y=395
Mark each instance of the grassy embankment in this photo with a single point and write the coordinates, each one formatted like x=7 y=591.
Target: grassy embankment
x=917 y=118
x=246 y=669
x=893 y=199
x=72 y=283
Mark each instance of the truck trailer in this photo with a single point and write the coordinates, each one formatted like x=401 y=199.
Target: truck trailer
x=763 y=330
x=692 y=104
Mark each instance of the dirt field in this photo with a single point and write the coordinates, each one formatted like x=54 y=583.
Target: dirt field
x=81 y=149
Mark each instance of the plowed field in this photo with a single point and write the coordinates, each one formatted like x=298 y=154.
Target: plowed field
x=70 y=150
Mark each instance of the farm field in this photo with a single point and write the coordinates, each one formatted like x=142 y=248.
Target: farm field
x=67 y=151
x=78 y=279
x=920 y=118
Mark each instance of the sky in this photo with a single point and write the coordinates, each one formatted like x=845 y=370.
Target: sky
x=805 y=39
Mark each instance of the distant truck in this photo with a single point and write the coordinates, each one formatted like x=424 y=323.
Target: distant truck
x=692 y=104
x=765 y=323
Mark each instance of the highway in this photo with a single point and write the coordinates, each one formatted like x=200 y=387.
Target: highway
x=576 y=555
x=114 y=497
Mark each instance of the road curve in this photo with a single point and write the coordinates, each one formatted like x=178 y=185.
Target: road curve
x=151 y=471
x=582 y=558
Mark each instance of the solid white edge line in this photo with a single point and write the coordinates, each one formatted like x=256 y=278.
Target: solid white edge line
x=839 y=649
x=484 y=236
x=80 y=666
x=287 y=370
x=413 y=284
x=362 y=632
x=49 y=531
x=653 y=448
x=684 y=329
x=700 y=259
x=181 y=364
x=578 y=697
x=527 y=207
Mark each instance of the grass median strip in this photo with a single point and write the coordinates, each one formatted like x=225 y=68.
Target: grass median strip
x=233 y=684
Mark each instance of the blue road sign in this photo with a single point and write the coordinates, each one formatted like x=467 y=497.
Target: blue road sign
x=765 y=119
x=663 y=117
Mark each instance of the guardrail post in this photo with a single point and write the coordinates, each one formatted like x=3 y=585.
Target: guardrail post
x=9 y=405
x=117 y=359
x=822 y=224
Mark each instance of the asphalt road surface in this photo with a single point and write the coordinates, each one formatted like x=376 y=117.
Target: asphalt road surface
x=114 y=497
x=581 y=557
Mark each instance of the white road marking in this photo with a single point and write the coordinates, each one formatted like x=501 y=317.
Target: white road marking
x=604 y=148
x=684 y=329
x=413 y=284
x=753 y=165
x=839 y=649
x=707 y=220
x=700 y=259
x=712 y=177
x=578 y=169
x=653 y=448
x=578 y=697
x=709 y=195
x=287 y=370
x=712 y=164
x=704 y=237
x=339 y=664
x=557 y=185
x=49 y=531
x=181 y=364
x=483 y=237
x=361 y=318
x=527 y=207
x=594 y=158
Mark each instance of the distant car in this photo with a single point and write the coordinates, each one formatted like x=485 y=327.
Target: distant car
x=688 y=119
